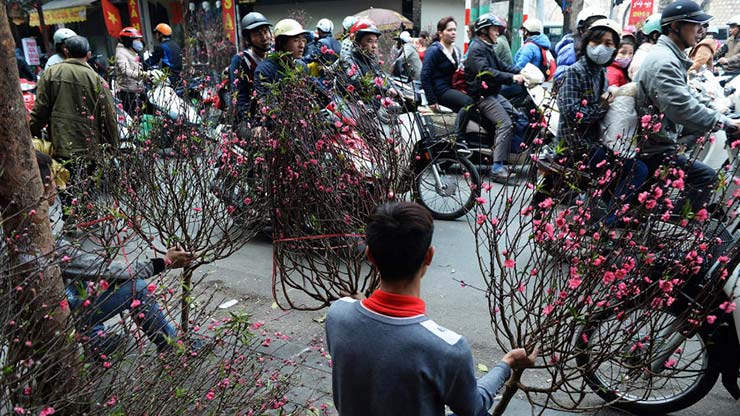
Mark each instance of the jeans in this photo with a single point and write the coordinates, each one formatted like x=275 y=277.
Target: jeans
x=700 y=178
x=117 y=299
x=496 y=109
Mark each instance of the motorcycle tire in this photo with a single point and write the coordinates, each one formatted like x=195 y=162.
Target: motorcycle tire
x=611 y=387
x=450 y=201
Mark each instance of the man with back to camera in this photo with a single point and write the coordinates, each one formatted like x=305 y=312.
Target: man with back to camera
x=388 y=357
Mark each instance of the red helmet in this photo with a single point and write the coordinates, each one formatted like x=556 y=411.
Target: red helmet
x=130 y=32
x=363 y=27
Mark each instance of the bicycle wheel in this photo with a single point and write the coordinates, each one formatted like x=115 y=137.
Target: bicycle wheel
x=644 y=361
x=448 y=187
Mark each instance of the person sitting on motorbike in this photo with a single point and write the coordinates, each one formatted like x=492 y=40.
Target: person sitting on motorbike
x=702 y=55
x=347 y=38
x=258 y=40
x=583 y=100
x=363 y=67
x=502 y=48
x=290 y=42
x=566 y=50
x=441 y=60
x=325 y=49
x=616 y=73
x=663 y=91
x=534 y=51
x=407 y=63
x=60 y=36
x=129 y=70
x=729 y=53
x=484 y=75
x=650 y=33
x=166 y=54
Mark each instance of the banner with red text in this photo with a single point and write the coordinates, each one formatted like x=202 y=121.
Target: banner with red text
x=227 y=10
x=640 y=11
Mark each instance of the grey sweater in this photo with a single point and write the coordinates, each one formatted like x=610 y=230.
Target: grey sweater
x=403 y=366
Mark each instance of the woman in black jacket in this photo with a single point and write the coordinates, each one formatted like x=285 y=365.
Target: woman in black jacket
x=441 y=60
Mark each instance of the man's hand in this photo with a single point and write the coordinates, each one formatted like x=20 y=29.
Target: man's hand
x=177 y=258
x=723 y=61
x=519 y=79
x=518 y=358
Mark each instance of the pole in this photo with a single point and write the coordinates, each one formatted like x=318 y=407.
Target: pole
x=540 y=10
x=467 y=22
x=516 y=15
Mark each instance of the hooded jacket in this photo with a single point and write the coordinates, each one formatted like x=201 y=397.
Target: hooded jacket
x=530 y=52
x=565 y=52
x=481 y=66
x=662 y=88
x=129 y=71
x=78 y=107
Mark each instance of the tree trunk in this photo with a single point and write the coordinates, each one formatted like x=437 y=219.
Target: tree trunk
x=511 y=388
x=571 y=18
x=40 y=324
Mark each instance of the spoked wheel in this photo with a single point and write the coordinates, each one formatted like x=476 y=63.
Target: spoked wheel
x=645 y=361
x=448 y=187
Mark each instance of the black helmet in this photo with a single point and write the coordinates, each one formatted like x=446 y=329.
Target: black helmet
x=683 y=11
x=485 y=21
x=253 y=20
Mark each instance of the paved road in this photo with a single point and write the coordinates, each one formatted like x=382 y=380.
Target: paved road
x=247 y=275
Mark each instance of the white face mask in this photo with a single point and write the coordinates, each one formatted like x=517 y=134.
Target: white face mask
x=137 y=45
x=600 y=54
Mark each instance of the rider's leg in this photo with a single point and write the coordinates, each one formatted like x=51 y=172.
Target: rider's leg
x=494 y=109
x=132 y=295
x=699 y=178
x=457 y=101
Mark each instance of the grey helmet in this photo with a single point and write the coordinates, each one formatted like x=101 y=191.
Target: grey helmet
x=253 y=20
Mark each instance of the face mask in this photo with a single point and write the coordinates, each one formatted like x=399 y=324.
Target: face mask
x=600 y=54
x=137 y=45
x=623 y=62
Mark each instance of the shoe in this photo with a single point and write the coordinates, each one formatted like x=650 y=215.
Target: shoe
x=500 y=174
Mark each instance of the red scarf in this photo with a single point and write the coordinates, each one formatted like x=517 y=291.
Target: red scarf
x=397 y=306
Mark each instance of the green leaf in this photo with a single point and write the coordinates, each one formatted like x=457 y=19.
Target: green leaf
x=482 y=368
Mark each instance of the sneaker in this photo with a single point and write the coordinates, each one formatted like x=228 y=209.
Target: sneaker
x=500 y=174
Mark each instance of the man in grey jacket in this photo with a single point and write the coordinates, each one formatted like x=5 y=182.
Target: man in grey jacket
x=663 y=90
x=388 y=357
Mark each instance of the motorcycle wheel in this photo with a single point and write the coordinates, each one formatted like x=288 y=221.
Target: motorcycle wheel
x=625 y=377
x=455 y=195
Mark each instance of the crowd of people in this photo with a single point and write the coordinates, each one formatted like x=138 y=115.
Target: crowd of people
x=77 y=108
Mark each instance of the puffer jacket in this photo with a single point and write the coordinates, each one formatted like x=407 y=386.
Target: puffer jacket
x=565 y=52
x=531 y=52
x=78 y=107
x=129 y=70
x=481 y=66
x=662 y=87
x=731 y=51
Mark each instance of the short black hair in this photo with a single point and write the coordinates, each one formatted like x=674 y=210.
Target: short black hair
x=398 y=237
x=44 y=162
x=596 y=35
x=77 y=46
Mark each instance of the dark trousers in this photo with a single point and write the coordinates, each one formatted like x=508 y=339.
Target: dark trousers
x=699 y=179
x=133 y=102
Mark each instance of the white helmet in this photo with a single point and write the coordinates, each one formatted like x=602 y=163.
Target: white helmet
x=325 y=25
x=588 y=13
x=533 y=25
x=348 y=22
x=288 y=27
x=734 y=21
x=63 y=34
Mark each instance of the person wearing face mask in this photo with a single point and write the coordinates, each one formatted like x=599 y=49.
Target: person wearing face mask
x=566 y=50
x=583 y=100
x=129 y=70
x=663 y=91
x=616 y=73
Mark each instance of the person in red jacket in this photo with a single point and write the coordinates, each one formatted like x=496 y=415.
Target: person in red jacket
x=616 y=73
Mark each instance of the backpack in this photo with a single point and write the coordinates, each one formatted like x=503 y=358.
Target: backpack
x=547 y=65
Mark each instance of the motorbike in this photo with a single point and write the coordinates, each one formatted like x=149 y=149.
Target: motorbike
x=28 y=88
x=665 y=360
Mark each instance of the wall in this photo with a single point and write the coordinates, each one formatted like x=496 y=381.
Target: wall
x=433 y=10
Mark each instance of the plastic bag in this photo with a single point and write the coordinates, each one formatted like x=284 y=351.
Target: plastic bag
x=619 y=126
x=532 y=75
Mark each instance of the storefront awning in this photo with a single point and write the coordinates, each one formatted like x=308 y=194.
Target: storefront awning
x=61 y=11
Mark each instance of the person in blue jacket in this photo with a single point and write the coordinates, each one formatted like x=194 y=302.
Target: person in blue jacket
x=535 y=44
x=325 y=49
x=167 y=54
x=565 y=50
x=441 y=60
